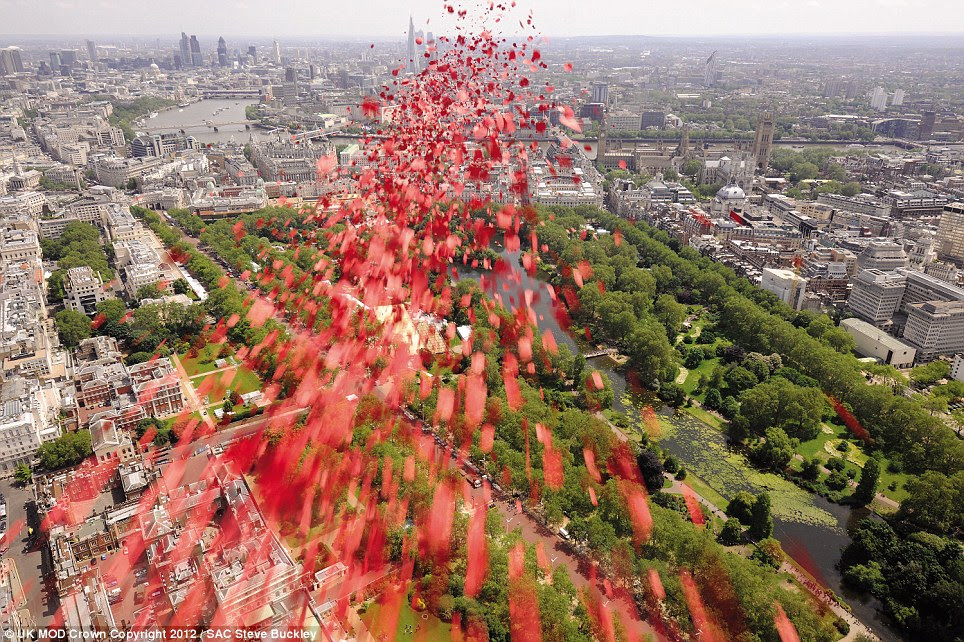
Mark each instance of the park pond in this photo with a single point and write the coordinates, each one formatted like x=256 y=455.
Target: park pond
x=811 y=529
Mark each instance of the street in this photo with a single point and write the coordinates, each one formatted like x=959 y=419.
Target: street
x=33 y=565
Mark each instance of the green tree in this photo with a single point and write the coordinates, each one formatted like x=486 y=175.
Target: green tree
x=777 y=402
x=713 y=399
x=810 y=470
x=650 y=351
x=731 y=532
x=691 y=167
x=929 y=374
x=670 y=313
x=741 y=507
x=730 y=407
x=22 y=474
x=180 y=286
x=673 y=394
x=761 y=522
x=67 y=450
x=935 y=503
x=769 y=553
x=651 y=469
x=776 y=450
x=850 y=189
x=55 y=286
x=803 y=171
x=149 y=291
x=72 y=327
x=739 y=379
x=867 y=486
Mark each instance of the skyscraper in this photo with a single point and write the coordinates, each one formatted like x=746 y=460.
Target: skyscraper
x=600 y=93
x=185 y=50
x=898 y=98
x=222 y=52
x=92 y=51
x=709 y=70
x=10 y=62
x=196 y=59
x=55 y=61
x=878 y=99
x=253 y=52
x=412 y=59
x=68 y=57
x=927 y=120
x=276 y=51
x=950 y=233
x=763 y=141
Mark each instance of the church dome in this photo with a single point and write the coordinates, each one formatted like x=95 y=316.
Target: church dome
x=731 y=192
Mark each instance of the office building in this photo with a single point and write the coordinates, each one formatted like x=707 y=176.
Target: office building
x=10 y=61
x=927 y=121
x=710 y=73
x=921 y=287
x=957 y=367
x=874 y=342
x=276 y=53
x=222 y=53
x=878 y=99
x=882 y=255
x=600 y=93
x=84 y=290
x=196 y=59
x=935 y=328
x=876 y=295
x=950 y=233
x=185 y=50
x=788 y=286
x=655 y=119
x=28 y=419
x=91 y=51
x=253 y=53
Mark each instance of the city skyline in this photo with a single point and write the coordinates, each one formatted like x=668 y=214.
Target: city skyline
x=558 y=19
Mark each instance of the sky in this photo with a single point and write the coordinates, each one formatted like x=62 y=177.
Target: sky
x=389 y=18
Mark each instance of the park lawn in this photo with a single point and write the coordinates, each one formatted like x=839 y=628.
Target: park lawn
x=815 y=446
x=693 y=377
x=180 y=419
x=244 y=381
x=431 y=629
x=704 y=416
x=886 y=478
x=204 y=361
x=702 y=488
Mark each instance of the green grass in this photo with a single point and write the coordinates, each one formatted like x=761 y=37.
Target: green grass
x=886 y=477
x=692 y=379
x=814 y=447
x=703 y=489
x=431 y=629
x=817 y=448
x=705 y=416
x=244 y=381
x=204 y=361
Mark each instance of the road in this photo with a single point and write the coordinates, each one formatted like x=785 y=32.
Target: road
x=33 y=564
